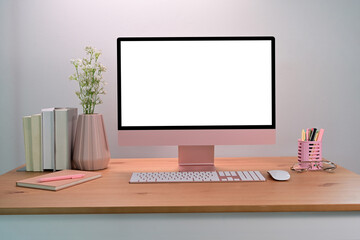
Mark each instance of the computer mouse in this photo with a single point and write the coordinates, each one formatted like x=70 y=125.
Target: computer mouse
x=279 y=175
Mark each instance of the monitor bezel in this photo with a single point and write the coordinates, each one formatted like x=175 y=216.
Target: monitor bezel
x=257 y=38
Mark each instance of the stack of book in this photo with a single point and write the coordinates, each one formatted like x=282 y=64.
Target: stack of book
x=49 y=139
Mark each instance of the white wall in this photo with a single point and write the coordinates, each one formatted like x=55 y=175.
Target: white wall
x=317 y=63
x=317 y=75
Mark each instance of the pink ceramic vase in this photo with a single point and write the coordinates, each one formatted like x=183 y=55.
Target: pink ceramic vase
x=91 y=149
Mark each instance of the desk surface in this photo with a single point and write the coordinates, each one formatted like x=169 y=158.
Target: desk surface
x=310 y=191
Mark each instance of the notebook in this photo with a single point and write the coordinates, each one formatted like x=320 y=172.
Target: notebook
x=60 y=184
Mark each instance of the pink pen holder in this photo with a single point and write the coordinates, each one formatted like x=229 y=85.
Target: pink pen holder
x=310 y=155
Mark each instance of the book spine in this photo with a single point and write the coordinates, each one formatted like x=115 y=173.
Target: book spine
x=48 y=139
x=27 y=142
x=36 y=142
x=72 y=130
x=62 y=140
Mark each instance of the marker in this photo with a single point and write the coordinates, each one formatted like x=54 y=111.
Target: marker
x=313 y=134
x=307 y=134
x=50 y=179
x=316 y=135
x=321 y=133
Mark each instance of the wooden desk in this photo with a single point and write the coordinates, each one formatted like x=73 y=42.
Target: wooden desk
x=310 y=191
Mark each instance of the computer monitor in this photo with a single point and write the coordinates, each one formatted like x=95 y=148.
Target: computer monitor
x=196 y=92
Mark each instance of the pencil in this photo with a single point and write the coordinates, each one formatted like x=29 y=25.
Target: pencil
x=303 y=135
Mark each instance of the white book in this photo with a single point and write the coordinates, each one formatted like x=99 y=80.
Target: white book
x=48 y=138
x=65 y=124
x=36 y=142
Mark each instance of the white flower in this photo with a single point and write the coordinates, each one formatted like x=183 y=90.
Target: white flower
x=102 y=68
x=90 y=49
x=89 y=76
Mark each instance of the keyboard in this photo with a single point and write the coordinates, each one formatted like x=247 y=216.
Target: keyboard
x=211 y=176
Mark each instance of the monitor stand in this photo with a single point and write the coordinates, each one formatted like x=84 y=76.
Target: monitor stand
x=196 y=158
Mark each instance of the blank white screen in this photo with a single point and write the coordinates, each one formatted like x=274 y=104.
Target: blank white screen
x=196 y=83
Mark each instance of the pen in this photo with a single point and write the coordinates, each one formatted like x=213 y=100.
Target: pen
x=49 y=179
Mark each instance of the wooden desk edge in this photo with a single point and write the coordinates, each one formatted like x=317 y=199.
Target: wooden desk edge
x=178 y=209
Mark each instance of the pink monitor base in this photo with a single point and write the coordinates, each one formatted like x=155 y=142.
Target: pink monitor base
x=196 y=147
x=196 y=158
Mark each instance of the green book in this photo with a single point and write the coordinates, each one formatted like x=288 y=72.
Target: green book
x=27 y=142
x=36 y=142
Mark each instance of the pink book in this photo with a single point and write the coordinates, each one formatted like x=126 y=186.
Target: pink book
x=59 y=184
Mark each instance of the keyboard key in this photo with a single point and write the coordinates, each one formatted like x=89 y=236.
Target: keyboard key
x=215 y=179
x=253 y=175
x=244 y=176
x=261 y=177
x=247 y=175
